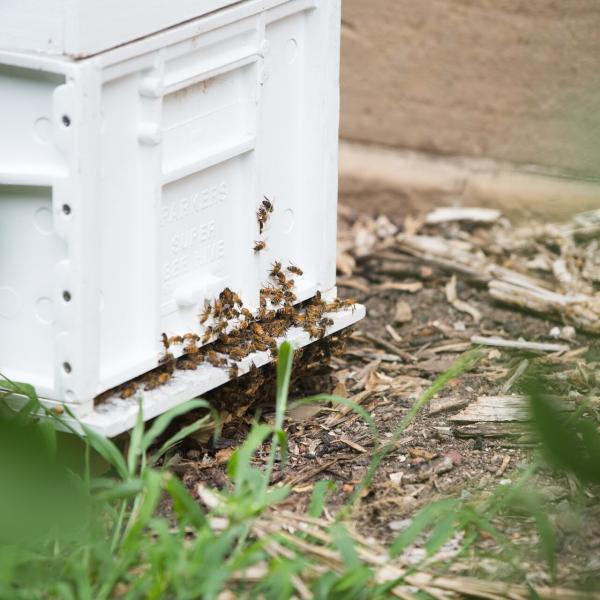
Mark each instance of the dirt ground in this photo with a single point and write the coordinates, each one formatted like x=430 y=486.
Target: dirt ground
x=421 y=316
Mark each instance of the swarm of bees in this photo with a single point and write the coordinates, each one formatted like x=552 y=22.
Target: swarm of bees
x=232 y=331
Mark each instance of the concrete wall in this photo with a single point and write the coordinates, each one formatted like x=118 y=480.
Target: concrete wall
x=497 y=89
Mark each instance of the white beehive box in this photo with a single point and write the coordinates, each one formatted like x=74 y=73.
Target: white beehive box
x=129 y=184
x=80 y=28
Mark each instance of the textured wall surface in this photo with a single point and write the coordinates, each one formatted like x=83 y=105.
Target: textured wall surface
x=513 y=80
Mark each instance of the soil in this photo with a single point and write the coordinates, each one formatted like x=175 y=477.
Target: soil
x=385 y=366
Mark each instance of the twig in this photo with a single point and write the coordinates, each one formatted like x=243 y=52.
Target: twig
x=521 y=368
x=406 y=356
x=518 y=344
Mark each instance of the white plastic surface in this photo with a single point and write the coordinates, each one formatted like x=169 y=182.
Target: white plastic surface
x=80 y=28
x=129 y=184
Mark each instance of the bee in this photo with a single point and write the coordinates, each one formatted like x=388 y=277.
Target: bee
x=128 y=392
x=221 y=326
x=207 y=335
x=267 y=205
x=258 y=246
x=261 y=216
x=276 y=296
x=288 y=311
x=218 y=309
x=313 y=313
x=190 y=348
x=298 y=319
x=176 y=339
x=295 y=270
x=163 y=378
x=246 y=313
x=326 y=322
x=313 y=331
x=266 y=292
x=166 y=358
x=281 y=277
x=190 y=337
x=257 y=329
x=165 y=340
x=237 y=300
x=278 y=328
x=288 y=285
x=233 y=371
x=350 y=302
x=187 y=365
x=333 y=306
x=206 y=312
x=237 y=353
x=275 y=269
x=317 y=300
x=289 y=296
x=212 y=358
x=275 y=351
x=269 y=315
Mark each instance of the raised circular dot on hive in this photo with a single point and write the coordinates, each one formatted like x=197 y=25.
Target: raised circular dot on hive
x=42 y=129
x=42 y=220
x=44 y=311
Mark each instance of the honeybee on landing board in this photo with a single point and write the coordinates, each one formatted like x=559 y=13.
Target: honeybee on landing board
x=260 y=245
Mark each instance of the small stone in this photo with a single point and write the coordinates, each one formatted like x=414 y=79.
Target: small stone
x=396 y=477
x=399 y=525
x=403 y=312
x=555 y=333
x=567 y=333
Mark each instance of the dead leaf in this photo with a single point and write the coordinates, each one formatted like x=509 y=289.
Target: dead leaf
x=421 y=453
x=345 y=263
x=303 y=412
x=223 y=455
x=353 y=283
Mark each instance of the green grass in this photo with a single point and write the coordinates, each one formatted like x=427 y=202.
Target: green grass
x=66 y=533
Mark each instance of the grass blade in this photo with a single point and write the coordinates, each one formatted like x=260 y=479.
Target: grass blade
x=284 y=372
x=424 y=519
x=161 y=423
x=108 y=450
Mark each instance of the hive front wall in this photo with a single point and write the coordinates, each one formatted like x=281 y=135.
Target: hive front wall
x=129 y=184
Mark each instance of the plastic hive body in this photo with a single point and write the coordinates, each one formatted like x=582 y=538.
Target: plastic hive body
x=129 y=184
